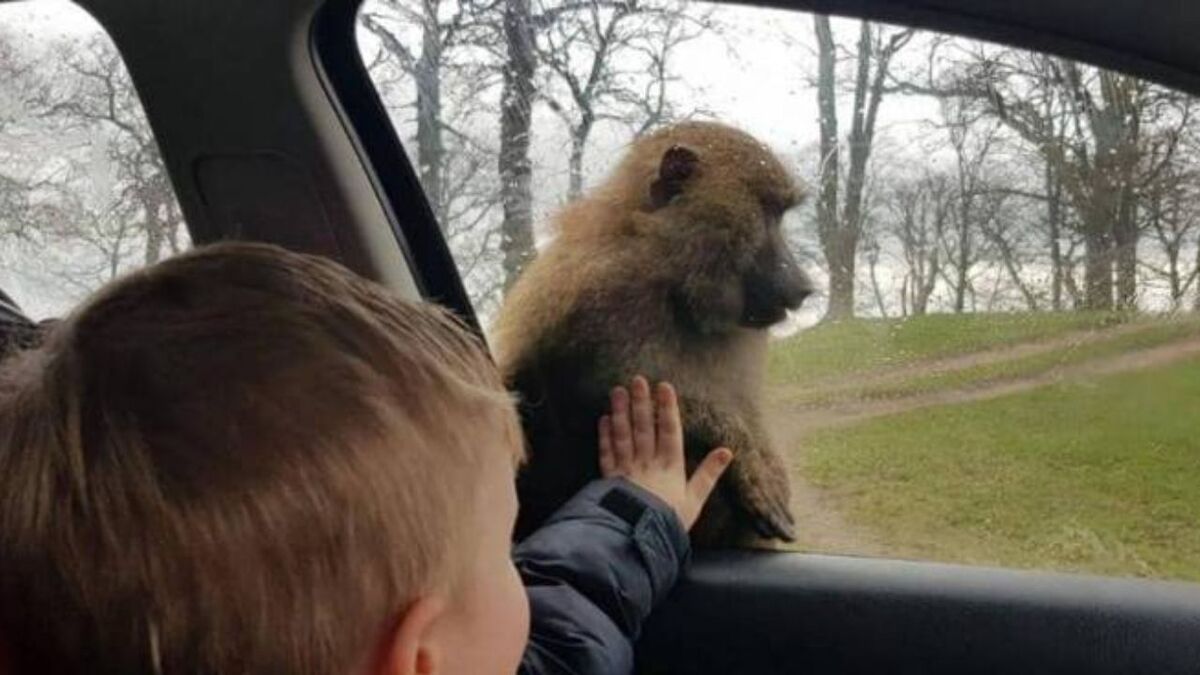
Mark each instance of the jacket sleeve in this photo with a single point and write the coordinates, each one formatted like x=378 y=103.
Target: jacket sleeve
x=593 y=573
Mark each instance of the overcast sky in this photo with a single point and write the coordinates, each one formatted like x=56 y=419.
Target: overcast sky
x=755 y=75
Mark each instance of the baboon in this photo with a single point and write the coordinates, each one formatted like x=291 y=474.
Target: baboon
x=674 y=268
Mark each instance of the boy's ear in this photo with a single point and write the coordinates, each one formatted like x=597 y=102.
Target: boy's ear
x=409 y=648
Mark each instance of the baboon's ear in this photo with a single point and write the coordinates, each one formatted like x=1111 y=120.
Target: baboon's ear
x=677 y=166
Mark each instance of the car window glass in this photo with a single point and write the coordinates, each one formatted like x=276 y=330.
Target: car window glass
x=1002 y=364
x=84 y=195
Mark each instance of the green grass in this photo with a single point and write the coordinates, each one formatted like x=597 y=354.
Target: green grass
x=1098 y=475
x=1156 y=332
x=860 y=345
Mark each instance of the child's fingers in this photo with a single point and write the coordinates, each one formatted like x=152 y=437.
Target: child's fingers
x=706 y=475
x=643 y=420
x=669 y=427
x=608 y=460
x=622 y=435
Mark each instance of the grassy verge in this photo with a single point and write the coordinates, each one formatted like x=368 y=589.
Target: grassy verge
x=1161 y=332
x=1097 y=476
x=861 y=345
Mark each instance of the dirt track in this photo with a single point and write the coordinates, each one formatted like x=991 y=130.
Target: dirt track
x=794 y=422
x=823 y=527
x=885 y=376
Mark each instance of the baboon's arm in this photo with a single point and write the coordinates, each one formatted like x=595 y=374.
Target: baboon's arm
x=758 y=475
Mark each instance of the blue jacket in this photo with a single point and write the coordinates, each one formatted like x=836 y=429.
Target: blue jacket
x=593 y=572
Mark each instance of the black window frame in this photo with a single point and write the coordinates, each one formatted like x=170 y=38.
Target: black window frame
x=414 y=224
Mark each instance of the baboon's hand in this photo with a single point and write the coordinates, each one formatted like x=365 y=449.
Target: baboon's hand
x=761 y=482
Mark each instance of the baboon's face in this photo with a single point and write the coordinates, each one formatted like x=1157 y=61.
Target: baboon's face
x=774 y=283
x=727 y=192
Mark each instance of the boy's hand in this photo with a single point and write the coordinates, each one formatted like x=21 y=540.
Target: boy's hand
x=642 y=440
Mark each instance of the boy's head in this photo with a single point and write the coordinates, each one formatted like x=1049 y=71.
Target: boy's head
x=246 y=460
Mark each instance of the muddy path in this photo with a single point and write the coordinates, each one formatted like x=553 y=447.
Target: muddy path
x=891 y=375
x=796 y=420
x=822 y=526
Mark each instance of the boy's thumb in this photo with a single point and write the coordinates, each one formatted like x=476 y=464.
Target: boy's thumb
x=706 y=475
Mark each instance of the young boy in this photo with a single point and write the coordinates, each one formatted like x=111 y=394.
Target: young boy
x=244 y=460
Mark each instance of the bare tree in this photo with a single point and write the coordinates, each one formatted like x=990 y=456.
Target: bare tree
x=840 y=221
x=1008 y=242
x=1055 y=128
x=975 y=204
x=647 y=101
x=1104 y=136
x=435 y=64
x=446 y=78
x=84 y=195
x=16 y=187
x=1174 y=221
x=386 y=19
x=920 y=212
x=516 y=120
x=609 y=61
x=1195 y=305
x=92 y=91
x=873 y=252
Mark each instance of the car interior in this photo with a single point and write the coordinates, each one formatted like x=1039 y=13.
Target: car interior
x=271 y=130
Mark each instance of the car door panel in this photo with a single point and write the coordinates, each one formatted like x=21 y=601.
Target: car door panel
x=747 y=612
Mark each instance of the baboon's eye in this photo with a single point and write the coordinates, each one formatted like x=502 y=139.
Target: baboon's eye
x=773 y=210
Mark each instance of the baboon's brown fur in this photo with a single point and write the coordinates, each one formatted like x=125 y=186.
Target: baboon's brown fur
x=673 y=268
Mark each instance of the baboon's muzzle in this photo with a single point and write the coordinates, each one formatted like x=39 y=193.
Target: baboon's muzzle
x=774 y=286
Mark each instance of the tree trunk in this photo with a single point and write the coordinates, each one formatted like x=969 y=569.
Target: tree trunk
x=961 y=280
x=431 y=150
x=867 y=95
x=829 y=229
x=1174 y=278
x=1122 y=117
x=962 y=260
x=1070 y=284
x=1054 y=229
x=1100 y=215
x=1097 y=269
x=575 y=169
x=1010 y=266
x=840 y=255
x=1174 y=251
x=873 y=261
x=1125 y=242
x=1053 y=187
x=516 y=171
x=920 y=301
x=923 y=272
x=579 y=138
x=1196 y=302
x=925 y=291
x=866 y=104
x=152 y=225
x=840 y=236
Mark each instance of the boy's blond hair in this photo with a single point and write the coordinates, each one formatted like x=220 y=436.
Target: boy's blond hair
x=240 y=460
